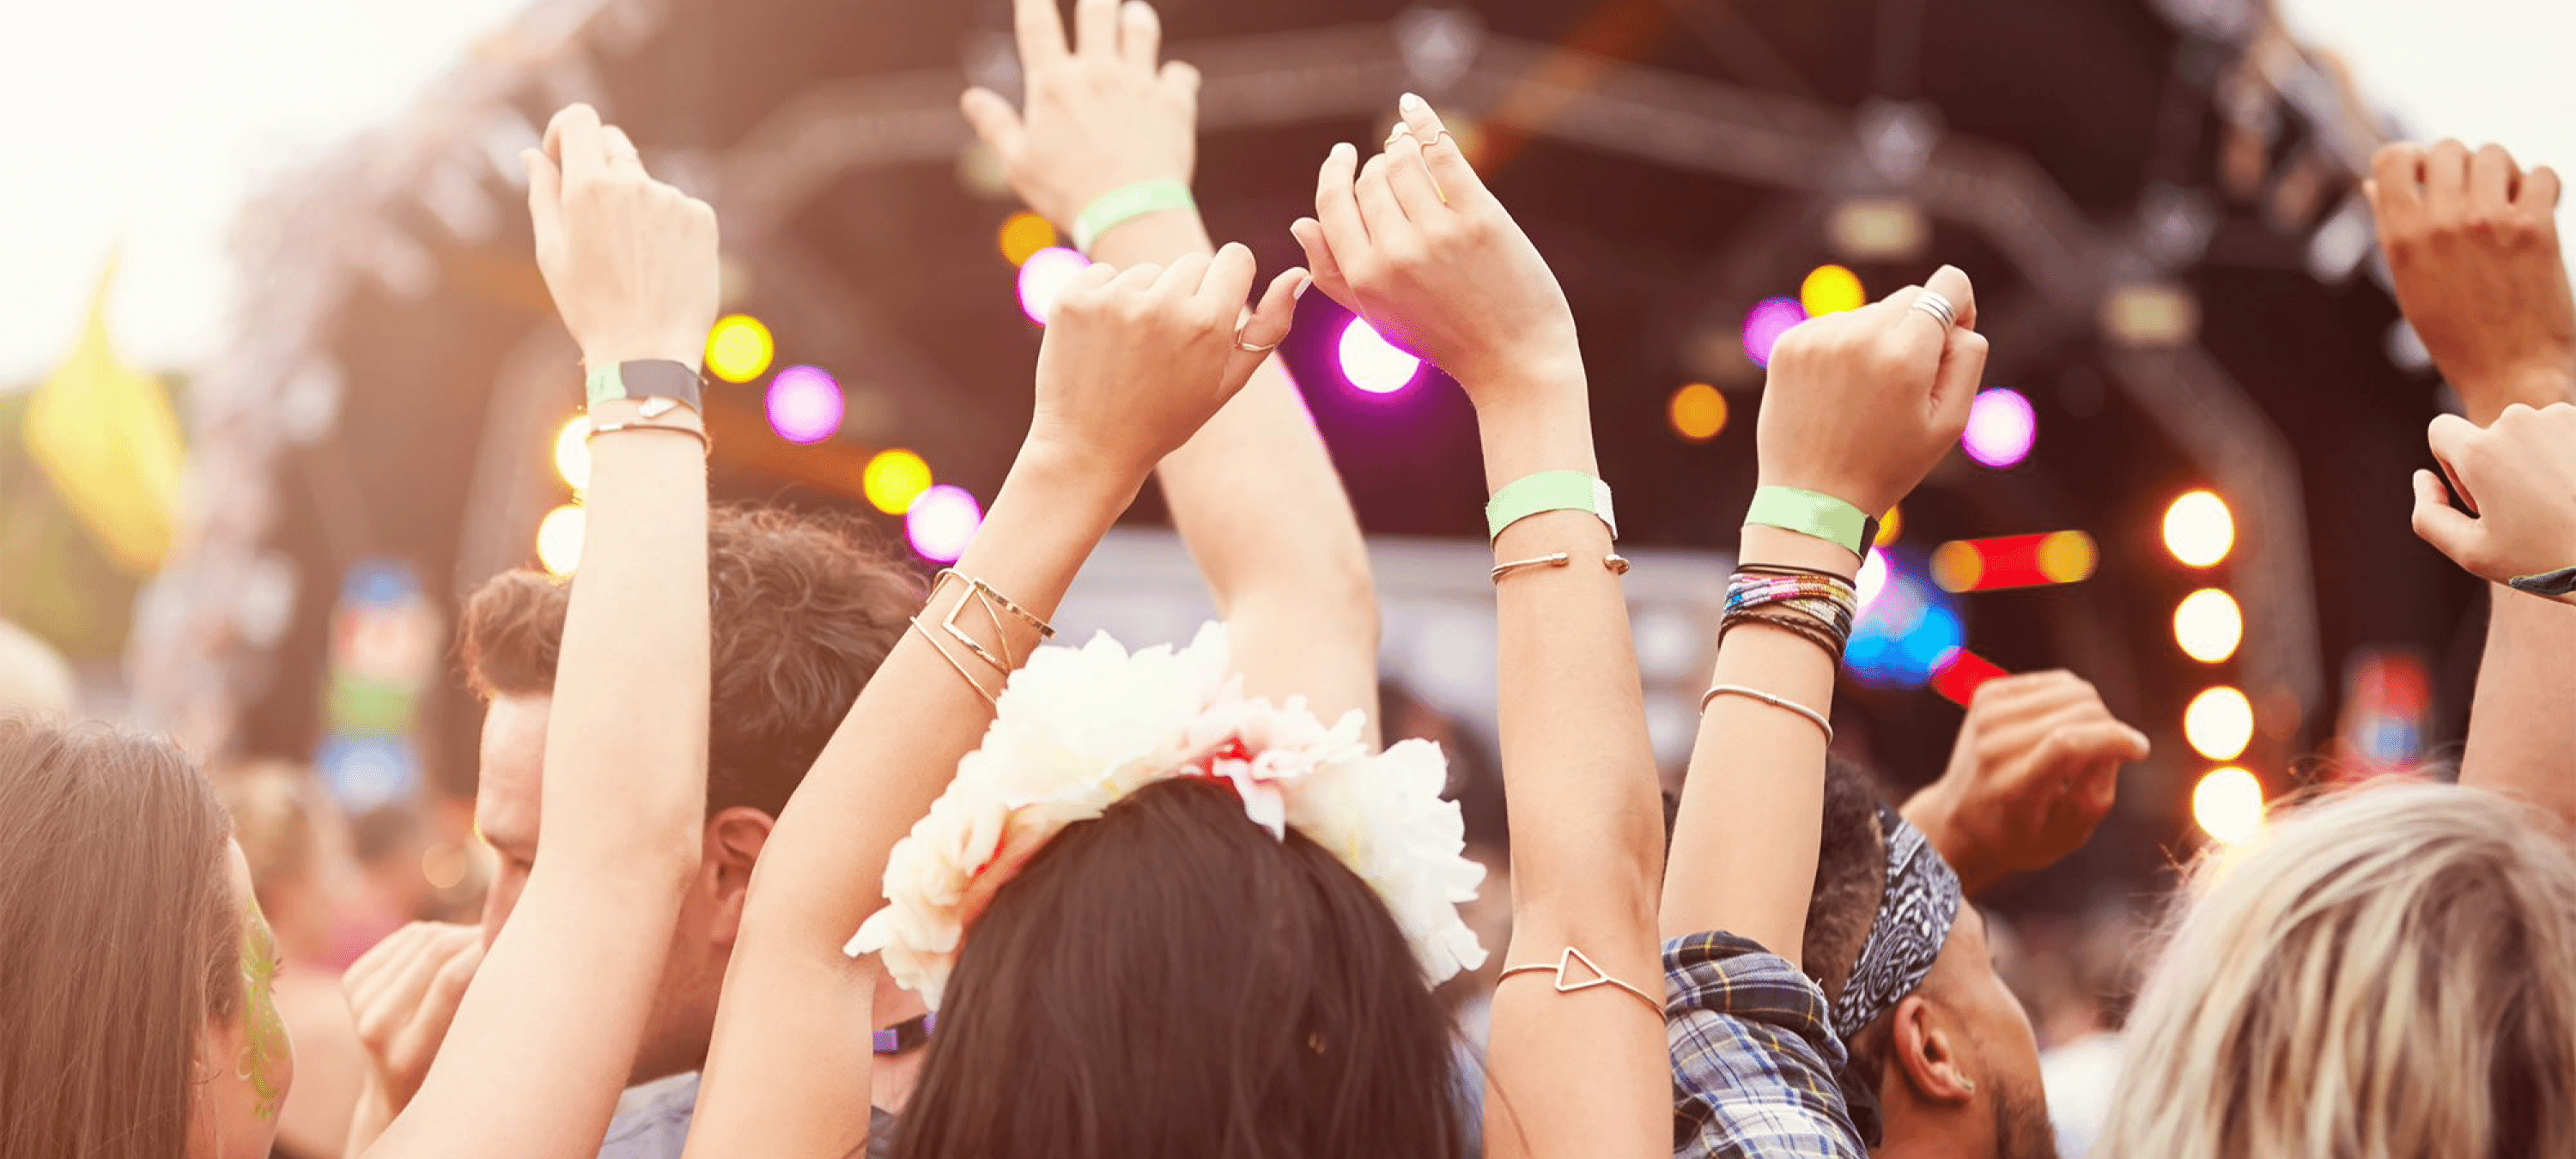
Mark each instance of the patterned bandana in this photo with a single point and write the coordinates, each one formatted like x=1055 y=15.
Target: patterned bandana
x=1913 y=921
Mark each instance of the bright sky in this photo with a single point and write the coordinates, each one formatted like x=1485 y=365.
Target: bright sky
x=147 y=122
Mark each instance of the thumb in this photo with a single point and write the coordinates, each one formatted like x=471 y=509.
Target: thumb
x=545 y=197
x=993 y=119
x=1265 y=329
x=2447 y=528
x=1319 y=256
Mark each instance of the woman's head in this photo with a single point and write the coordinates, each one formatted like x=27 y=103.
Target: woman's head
x=2388 y=974
x=1170 y=980
x=135 y=960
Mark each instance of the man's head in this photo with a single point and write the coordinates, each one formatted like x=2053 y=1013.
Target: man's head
x=1950 y=1064
x=801 y=615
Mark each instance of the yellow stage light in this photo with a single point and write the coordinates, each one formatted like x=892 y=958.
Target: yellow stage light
x=893 y=479
x=2199 y=530
x=2067 y=557
x=1957 y=566
x=2209 y=625
x=1831 y=290
x=1698 y=412
x=2219 y=723
x=1890 y=527
x=1024 y=234
x=572 y=453
x=559 y=540
x=739 y=348
x=2228 y=804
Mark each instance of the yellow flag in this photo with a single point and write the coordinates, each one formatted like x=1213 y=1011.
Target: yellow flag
x=104 y=432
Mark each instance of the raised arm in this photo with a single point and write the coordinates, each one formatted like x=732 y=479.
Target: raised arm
x=1253 y=494
x=1133 y=362
x=546 y=1032
x=1858 y=408
x=2473 y=245
x=2035 y=768
x=1416 y=243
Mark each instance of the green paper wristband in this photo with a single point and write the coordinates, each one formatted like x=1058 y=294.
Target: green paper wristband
x=1811 y=514
x=1125 y=204
x=1549 y=491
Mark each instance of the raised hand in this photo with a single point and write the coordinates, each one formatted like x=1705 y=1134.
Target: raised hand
x=2035 y=769
x=1098 y=116
x=2473 y=246
x=402 y=995
x=1415 y=243
x=631 y=261
x=2518 y=476
x=1135 y=361
x=1861 y=405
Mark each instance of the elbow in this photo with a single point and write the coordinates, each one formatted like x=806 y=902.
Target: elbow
x=1333 y=597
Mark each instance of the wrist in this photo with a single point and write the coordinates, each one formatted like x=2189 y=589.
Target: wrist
x=1935 y=811
x=2535 y=384
x=1155 y=237
x=1078 y=476
x=1546 y=426
x=1782 y=548
x=687 y=350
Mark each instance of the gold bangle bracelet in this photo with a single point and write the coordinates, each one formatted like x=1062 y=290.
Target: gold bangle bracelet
x=704 y=443
x=1565 y=983
x=962 y=674
x=1617 y=563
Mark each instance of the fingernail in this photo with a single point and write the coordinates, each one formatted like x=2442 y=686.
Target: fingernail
x=1304 y=281
x=1343 y=149
x=1411 y=103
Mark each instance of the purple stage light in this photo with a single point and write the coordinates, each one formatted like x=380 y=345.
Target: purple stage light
x=804 y=405
x=1372 y=363
x=1766 y=322
x=1043 y=275
x=2001 y=428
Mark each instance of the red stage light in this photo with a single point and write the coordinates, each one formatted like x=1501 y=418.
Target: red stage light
x=2013 y=561
x=1957 y=681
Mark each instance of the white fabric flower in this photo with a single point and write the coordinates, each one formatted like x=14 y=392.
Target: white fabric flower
x=1078 y=729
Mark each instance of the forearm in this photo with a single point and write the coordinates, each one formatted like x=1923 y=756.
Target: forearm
x=791 y=1043
x=367 y=1122
x=626 y=751
x=1744 y=846
x=2522 y=738
x=1933 y=809
x=1256 y=499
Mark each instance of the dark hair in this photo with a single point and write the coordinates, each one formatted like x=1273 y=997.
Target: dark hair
x=120 y=938
x=1169 y=982
x=1851 y=877
x=803 y=609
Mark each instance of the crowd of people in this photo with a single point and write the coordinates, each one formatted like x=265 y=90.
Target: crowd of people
x=804 y=854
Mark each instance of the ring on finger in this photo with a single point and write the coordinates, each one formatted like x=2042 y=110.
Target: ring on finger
x=1248 y=348
x=1932 y=303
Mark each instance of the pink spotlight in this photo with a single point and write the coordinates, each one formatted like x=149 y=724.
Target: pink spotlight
x=1372 y=363
x=2001 y=428
x=1766 y=322
x=804 y=405
x=942 y=522
x=1043 y=275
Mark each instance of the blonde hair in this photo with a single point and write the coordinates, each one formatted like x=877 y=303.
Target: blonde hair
x=2387 y=974
x=33 y=677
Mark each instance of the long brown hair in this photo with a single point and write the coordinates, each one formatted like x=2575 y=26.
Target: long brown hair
x=119 y=940
x=1168 y=981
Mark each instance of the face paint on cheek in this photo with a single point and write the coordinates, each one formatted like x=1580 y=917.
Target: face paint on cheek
x=264 y=1045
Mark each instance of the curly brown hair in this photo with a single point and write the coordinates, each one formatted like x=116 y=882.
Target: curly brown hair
x=803 y=605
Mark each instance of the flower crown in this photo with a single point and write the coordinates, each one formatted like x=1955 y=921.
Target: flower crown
x=1079 y=729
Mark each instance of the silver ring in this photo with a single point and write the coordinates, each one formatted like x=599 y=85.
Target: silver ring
x=1939 y=308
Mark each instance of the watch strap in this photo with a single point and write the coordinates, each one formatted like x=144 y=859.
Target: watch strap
x=644 y=378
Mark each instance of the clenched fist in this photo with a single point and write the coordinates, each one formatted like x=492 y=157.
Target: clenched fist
x=1861 y=405
x=2035 y=769
x=2519 y=479
x=403 y=994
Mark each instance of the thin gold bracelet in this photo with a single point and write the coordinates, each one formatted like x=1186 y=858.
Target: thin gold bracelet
x=1599 y=977
x=962 y=674
x=704 y=443
x=1617 y=563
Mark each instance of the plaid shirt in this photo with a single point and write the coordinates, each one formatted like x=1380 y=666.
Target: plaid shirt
x=1753 y=1056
